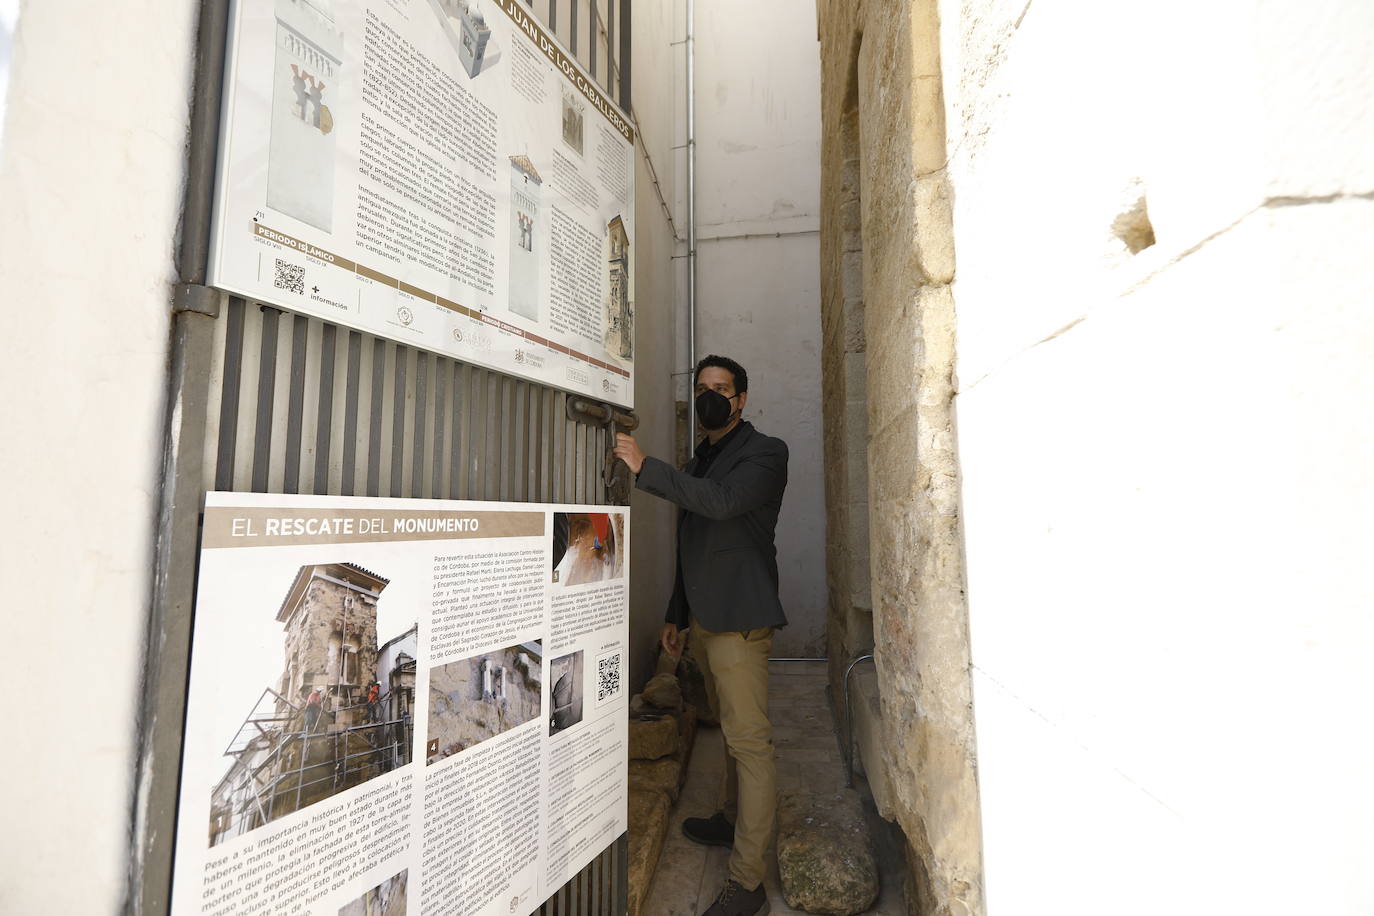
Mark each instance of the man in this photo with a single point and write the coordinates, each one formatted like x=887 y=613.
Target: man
x=313 y=706
x=726 y=595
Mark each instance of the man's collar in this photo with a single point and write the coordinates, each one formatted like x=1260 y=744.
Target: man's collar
x=706 y=447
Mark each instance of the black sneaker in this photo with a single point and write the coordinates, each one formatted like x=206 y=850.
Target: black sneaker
x=734 y=900
x=709 y=831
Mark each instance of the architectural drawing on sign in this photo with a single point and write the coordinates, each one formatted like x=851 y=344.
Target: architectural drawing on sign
x=322 y=728
x=467 y=31
x=525 y=185
x=573 y=110
x=480 y=697
x=620 y=338
x=386 y=899
x=300 y=155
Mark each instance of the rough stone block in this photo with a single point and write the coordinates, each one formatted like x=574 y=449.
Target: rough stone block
x=663 y=692
x=652 y=737
x=648 y=821
x=666 y=663
x=693 y=684
x=663 y=775
x=825 y=858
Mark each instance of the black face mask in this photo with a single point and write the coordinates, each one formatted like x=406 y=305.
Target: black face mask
x=713 y=409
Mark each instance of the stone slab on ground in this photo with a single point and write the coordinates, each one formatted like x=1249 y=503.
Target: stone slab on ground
x=653 y=736
x=648 y=821
x=663 y=774
x=825 y=857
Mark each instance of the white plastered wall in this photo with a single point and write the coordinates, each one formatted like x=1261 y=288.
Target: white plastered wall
x=655 y=89
x=758 y=284
x=1167 y=456
x=91 y=174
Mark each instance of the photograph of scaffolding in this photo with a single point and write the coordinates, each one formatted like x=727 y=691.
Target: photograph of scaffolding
x=338 y=715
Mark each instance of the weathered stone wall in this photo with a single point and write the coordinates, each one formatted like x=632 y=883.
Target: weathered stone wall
x=883 y=118
x=460 y=716
x=1160 y=501
x=314 y=636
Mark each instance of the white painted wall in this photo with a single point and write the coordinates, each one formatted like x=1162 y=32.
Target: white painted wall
x=1167 y=456
x=758 y=284
x=90 y=188
x=653 y=521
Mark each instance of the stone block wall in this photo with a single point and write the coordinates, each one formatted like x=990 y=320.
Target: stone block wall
x=883 y=124
x=1157 y=499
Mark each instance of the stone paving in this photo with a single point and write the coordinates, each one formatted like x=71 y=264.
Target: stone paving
x=808 y=754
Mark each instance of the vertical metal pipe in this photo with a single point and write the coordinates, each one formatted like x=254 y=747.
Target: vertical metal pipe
x=351 y=403
x=443 y=369
x=457 y=472
x=417 y=457
x=229 y=396
x=398 y=421
x=267 y=379
x=625 y=61
x=374 y=429
x=324 y=417
x=592 y=39
x=572 y=26
x=295 y=404
x=849 y=723
x=691 y=216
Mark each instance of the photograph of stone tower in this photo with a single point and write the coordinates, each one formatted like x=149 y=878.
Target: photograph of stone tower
x=620 y=330
x=339 y=714
x=300 y=157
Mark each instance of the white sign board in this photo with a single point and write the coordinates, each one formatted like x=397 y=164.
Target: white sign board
x=401 y=706
x=438 y=172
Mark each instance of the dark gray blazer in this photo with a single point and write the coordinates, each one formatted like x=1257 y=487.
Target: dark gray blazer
x=727 y=573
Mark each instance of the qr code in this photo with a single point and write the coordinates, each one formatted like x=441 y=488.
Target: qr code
x=290 y=277
x=607 y=677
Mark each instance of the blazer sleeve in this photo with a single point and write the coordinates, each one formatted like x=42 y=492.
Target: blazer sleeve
x=678 y=612
x=757 y=479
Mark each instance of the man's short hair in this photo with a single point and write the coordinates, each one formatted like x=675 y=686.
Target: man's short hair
x=729 y=365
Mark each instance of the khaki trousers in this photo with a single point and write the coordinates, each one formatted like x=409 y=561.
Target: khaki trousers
x=735 y=666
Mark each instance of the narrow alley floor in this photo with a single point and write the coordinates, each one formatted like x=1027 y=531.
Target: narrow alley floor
x=808 y=753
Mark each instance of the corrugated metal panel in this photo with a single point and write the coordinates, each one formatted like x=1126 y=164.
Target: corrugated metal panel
x=305 y=406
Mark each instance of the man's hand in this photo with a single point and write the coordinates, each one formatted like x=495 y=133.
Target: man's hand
x=671 y=637
x=628 y=451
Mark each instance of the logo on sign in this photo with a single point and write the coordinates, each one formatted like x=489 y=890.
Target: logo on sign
x=405 y=316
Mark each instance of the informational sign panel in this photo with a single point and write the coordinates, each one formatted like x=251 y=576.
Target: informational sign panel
x=401 y=706
x=438 y=172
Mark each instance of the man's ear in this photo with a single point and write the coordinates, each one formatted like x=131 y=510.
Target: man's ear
x=743 y=396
